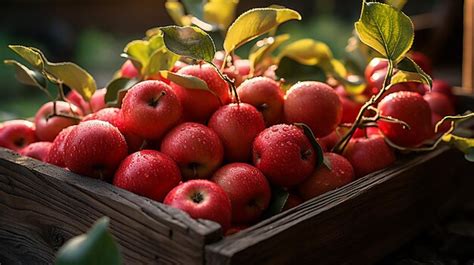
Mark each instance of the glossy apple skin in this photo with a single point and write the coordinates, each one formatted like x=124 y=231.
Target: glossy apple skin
x=284 y=154
x=150 y=109
x=314 y=103
x=264 y=94
x=128 y=70
x=411 y=108
x=374 y=65
x=368 y=155
x=324 y=179
x=423 y=61
x=38 y=150
x=202 y=199
x=17 y=134
x=98 y=100
x=94 y=149
x=247 y=189
x=148 y=173
x=48 y=128
x=443 y=87
x=350 y=109
x=196 y=148
x=199 y=105
x=237 y=125
x=56 y=152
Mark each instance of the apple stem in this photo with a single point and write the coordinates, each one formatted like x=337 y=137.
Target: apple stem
x=341 y=145
x=233 y=89
x=155 y=101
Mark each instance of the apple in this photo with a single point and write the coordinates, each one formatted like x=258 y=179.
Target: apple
x=237 y=125
x=314 y=103
x=75 y=98
x=264 y=94
x=423 y=61
x=198 y=105
x=440 y=106
x=56 y=152
x=48 y=127
x=150 y=109
x=368 y=155
x=97 y=101
x=17 y=134
x=247 y=189
x=324 y=179
x=202 y=199
x=128 y=70
x=284 y=154
x=350 y=109
x=196 y=149
x=443 y=87
x=411 y=108
x=94 y=149
x=38 y=150
x=148 y=173
x=374 y=65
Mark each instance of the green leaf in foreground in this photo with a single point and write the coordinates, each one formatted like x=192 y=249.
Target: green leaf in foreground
x=27 y=76
x=117 y=89
x=30 y=55
x=74 y=77
x=189 y=41
x=97 y=247
x=385 y=29
x=307 y=52
x=312 y=139
x=409 y=71
x=255 y=23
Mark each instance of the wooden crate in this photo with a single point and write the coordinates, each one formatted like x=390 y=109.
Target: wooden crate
x=42 y=206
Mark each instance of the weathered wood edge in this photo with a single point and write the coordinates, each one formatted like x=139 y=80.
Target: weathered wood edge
x=223 y=252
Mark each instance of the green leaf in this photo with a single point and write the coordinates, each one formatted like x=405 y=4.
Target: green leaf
x=292 y=71
x=385 y=29
x=409 y=71
x=398 y=4
x=255 y=23
x=262 y=51
x=465 y=145
x=74 y=77
x=220 y=12
x=117 y=89
x=312 y=139
x=469 y=154
x=189 y=41
x=277 y=201
x=194 y=7
x=186 y=81
x=176 y=11
x=97 y=247
x=307 y=52
x=30 y=55
x=27 y=76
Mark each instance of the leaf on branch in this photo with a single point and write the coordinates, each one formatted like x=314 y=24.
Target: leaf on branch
x=176 y=11
x=117 y=89
x=385 y=29
x=398 y=4
x=74 y=77
x=261 y=52
x=409 y=71
x=27 y=76
x=312 y=139
x=220 y=12
x=30 y=55
x=307 y=52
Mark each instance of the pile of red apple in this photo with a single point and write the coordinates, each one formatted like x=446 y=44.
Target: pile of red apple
x=216 y=156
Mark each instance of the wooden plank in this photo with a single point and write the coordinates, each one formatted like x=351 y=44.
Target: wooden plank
x=357 y=224
x=468 y=53
x=42 y=206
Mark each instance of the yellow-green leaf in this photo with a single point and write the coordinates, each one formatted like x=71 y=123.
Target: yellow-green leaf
x=74 y=77
x=409 y=71
x=465 y=145
x=353 y=84
x=160 y=60
x=30 y=55
x=117 y=89
x=194 y=7
x=189 y=41
x=263 y=49
x=27 y=76
x=186 y=81
x=398 y=4
x=176 y=11
x=255 y=23
x=385 y=29
x=307 y=52
x=220 y=12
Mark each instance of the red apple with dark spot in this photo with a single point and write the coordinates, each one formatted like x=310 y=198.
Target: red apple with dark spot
x=237 y=125
x=94 y=149
x=49 y=126
x=314 y=103
x=150 y=109
x=368 y=155
x=247 y=188
x=196 y=149
x=17 y=134
x=38 y=150
x=284 y=154
x=148 y=173
x=324 y=179
x=264 y=94
x=56 y=152
x=202 y=199
x=198 y=105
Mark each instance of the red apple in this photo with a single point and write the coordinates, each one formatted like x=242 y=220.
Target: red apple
x=411 y=108
x=148 y=173
x=38 y=150
x=150 y=109
x=284 y=154
x=314 y=103
x=350 y=109
x=198 y=105
x=48 y=127
x=237 y=125
x=264 y=94
x=196 y=149
x=128 y=70
x=202 y=199
x=94 y=149
x=76 y=99
x=247 y=188
x=440 y=106
x=443 y=87
x=98 y=100
x=16 y=134
x=324 y=179
x=56 y=152
x=422 y=60
x=368 y=155
x=375 y=65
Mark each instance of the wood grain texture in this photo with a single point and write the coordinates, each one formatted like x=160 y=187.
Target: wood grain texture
x=356 y=224
x=42 y=206
x=468 y=48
